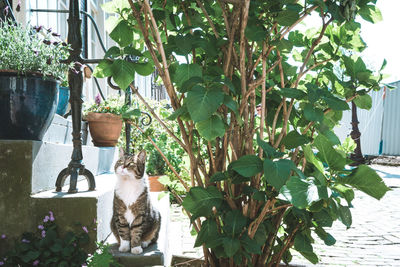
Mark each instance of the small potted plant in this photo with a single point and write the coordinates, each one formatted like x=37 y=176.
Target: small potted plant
x=30 y=73
x=105 y=120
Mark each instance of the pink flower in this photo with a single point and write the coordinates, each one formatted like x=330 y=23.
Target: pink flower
x=43 y=234
x=46 y=219
x=3 y=236
x=51 y=216
x=41 y=227
x=35 y=263
x=85 y=229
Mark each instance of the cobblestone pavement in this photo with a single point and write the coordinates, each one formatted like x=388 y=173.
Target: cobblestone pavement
x=372 y=240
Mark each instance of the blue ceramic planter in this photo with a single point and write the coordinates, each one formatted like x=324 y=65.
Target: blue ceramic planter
x=27 y=106
x=63 y=98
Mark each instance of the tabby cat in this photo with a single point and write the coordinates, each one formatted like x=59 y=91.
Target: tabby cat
x=135 y=222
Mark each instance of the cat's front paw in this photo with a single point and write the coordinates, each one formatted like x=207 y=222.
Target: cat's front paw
x=124 y=246
x=137 y=250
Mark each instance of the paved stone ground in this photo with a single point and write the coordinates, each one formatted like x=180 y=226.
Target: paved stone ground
x=372 y=240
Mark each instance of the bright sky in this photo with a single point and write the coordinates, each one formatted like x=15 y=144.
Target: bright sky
x=383 y=39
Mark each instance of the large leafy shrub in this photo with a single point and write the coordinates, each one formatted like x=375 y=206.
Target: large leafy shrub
x=264 y=182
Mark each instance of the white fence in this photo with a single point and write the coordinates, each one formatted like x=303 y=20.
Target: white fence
x=380 y=126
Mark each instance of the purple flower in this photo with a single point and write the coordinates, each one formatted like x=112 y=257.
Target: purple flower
x=41 y=227
x=94 y=220
x=25 y=241
x=3 y=236
x=38 y=28
x=35 y=263
x=43 y=234
x=36 y=52
x=46 y=219
x=1 y=263
x=49 y=29
x=97 y=100
x=18 y=8
x=85 y=229
x=51 y=216
x=74 y=244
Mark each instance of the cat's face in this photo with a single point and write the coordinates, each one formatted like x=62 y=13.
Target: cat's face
x=131 y=166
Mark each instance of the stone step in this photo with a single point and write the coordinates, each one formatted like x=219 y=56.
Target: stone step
x=60 y=131
x=37 y=164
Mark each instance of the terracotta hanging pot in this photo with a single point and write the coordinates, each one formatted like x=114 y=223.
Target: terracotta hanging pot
x=155 y=185
x=105 y=128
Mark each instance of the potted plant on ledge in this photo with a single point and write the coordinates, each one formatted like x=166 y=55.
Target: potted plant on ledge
x=105 y=120
x=30 y=70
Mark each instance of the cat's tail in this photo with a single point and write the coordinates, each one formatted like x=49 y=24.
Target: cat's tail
x=113 y=226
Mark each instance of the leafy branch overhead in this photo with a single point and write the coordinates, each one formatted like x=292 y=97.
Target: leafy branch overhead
x=256 y=90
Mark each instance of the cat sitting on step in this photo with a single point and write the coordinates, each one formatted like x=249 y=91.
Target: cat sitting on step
x=135 y=222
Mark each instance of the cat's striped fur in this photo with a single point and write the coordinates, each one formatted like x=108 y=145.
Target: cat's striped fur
x=135 y=222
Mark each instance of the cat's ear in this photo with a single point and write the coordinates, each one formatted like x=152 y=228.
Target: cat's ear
x=121 y=152
x=142 y=156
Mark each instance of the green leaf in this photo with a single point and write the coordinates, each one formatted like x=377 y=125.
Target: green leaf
x=287 y=17
x=268 y=149
x=234 y=222
x=200 y=201
x=370 y=13
x=248 y=165
x=131 y=113
x=189 y=84
x=310 y=157
x=277 y=172
x=202 y=103
x=250 y=245
x=144 y=69
x=231 y=104
x=217 y=177
x=123 y=73
x=294 y=139
x=301 y=193
x=311 y=256
x=363 y=101
x=122 y=34
x=333 y=158
x=345 y=191
x=323 y=218
x=180 y=111
x=129 y=50
x=113 y=52
x=186 y=71
x=208 y=232
x=103 y=69
x=367 y=180
x=302 y=243
x=211 y=128
x=231 y=246
x=313 y=114
x=335 y=103
x=328 y=239
x=345 y=215
x=292 y=93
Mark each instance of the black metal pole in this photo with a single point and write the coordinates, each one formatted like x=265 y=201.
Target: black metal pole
x=355 y=134
x=75 y=80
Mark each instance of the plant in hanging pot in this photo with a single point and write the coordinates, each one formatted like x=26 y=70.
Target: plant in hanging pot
x=105 y=120
x=30 y=70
